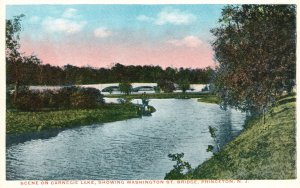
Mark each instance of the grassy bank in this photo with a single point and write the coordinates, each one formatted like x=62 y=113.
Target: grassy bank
x=209 y=99
x=262 y=151
x=26 y=122
x=161 y=95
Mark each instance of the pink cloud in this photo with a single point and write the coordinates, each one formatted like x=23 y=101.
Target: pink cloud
x=102 y=32
x=188 y=41
x=98 y=54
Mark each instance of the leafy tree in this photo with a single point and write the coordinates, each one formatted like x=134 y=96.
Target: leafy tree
x=20 y=69
x=255 y=47
x=125 y=87
x=166 y=85
x=184 y=85
x=12 y=37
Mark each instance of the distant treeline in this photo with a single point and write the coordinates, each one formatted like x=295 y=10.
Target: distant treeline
x=35 y=73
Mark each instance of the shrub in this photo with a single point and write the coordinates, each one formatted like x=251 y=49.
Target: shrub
x=86 y=98
x=125 y=88
x=184 y=85
x=68 y=97
x=62 y=97
x=166 y=86
x=46 y=98
x=181 y=170
x=28 y=100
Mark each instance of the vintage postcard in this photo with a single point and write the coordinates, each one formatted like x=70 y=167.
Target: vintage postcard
x=148 y=93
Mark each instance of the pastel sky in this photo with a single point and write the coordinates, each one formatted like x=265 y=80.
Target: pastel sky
x=100 y=35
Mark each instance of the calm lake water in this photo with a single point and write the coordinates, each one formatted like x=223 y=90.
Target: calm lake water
x=132 y=149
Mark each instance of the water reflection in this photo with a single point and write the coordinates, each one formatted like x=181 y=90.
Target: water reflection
x=21 y=138
x=224 y=133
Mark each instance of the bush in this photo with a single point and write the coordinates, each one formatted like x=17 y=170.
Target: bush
x=125 y=88
x=181 y=170
x=28 y=100
x=184 y=85
x=166 y=86
x=62 y=97
x=86 y=98
x=67 y=97
x=46 y=98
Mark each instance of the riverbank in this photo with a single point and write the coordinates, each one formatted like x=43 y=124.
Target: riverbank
x=162 y=95
x=262 y=151
x=114 y=147
x=209 y=99
x=18 y=122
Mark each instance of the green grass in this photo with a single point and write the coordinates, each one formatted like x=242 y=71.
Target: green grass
x=209 y=99
x=25 y=122
x=262 y=151
x=160 y=95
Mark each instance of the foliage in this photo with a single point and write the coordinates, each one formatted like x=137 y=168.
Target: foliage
x=255 y=46
x=67 y=97
x=45 y=74
x=86 y=98
x=28 y=100
x=180 y=170
x=12 y=35
x=15 y=61
x=210 y=148
x=24 y=122
x=29 y=70
x=166 y=86
x=262 y=151
x=184 y=85
x=125 y=87
x=156 y=89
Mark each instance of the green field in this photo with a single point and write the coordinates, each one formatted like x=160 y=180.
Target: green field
x=262 y=151
x=25 y=122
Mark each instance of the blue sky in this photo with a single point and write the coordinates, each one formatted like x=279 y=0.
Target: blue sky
x=124 y=27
